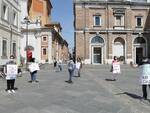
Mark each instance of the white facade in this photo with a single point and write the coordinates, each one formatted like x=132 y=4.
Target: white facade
x=24 y=13
x=9 y=30
x=32 y=36
x=35 y=42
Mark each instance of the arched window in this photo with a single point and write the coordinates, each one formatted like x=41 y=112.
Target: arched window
x=139 y=40
x=119 y=41
x=97 y=39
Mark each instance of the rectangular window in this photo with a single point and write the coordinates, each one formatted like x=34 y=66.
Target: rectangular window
x=118 y=20
x=44 y=38
x=138 y=21
x=44 y=51
x=14 y=49
x=14 y=18
x=97 y=20
x=4 y=48
x=5 y=11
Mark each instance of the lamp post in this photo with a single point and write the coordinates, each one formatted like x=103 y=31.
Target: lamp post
x=36 y=34
x=27 y=22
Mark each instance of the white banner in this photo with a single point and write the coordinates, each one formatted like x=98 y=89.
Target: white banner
x=116 y=67
x=145 y=74
x=33 y=67
x=12 y=69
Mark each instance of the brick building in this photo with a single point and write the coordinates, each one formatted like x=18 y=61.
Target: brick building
x=40 y=8
x=107 y=28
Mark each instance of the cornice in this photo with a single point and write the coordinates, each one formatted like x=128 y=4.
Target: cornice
x=97 y=2
x=147 y=31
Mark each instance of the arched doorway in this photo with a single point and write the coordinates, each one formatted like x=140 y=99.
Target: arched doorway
x=119 y=47
x=139 y=49
x=96 y=50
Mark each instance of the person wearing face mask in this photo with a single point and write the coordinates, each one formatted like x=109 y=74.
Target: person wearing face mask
x=11 y=73
x=115 y=67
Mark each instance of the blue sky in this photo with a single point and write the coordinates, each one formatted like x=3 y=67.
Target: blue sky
x=62 y=12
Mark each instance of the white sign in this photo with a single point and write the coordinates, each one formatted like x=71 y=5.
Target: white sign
x=116 y=67
x=34 y=67
x=12 y=69
x=145 y=74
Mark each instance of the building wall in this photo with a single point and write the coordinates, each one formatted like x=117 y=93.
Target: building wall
x=84 y=12
x=9 y=29
x=38 y=45
x=65 y=54
x=44 y=45
x=24 y=11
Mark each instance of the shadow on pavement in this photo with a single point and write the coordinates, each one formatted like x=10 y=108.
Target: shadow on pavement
x=132 y=95
x=108 y=79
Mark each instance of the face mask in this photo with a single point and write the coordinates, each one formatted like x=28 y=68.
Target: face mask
x=11 y=59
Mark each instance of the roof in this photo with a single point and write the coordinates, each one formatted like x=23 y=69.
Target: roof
x=54 y=24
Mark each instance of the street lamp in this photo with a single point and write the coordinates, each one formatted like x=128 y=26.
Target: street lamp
x=27 y=22
x=36 y=34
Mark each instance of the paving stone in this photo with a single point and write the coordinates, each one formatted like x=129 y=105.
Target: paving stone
x=90 y=93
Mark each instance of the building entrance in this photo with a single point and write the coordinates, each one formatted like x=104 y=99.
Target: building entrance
x=119 y=47
x=97 y=55
x=139 y=49
x=97 y=44
x=139 y=54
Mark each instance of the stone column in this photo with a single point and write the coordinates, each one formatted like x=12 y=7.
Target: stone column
x=129 y=48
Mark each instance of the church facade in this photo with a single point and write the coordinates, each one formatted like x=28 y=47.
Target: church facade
x=104 y=29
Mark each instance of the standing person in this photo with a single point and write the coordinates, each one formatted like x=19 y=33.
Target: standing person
x=11 y=73
x=71 y=67
x=115 y=67
x=33 y=68
x=144 y=75
x=78 y=66
x=55 y=63
x=60 y=65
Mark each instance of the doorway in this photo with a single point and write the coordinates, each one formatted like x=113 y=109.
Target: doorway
x=139 y=54
x=139 y=49
x=119 y=47
x=97 y=55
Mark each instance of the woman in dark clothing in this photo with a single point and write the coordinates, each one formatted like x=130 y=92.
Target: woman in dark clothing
x=144 y=75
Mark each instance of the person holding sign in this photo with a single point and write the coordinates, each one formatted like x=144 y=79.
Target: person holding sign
x=115 y=67
x=145 y=76
x=11 y=73
x=33 y=68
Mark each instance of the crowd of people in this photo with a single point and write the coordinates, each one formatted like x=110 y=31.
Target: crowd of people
x=74 y=70
x=11 y=71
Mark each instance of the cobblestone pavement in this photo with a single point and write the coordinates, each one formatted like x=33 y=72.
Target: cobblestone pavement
x=93 y=92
